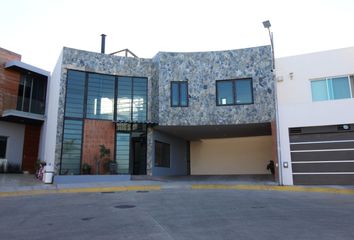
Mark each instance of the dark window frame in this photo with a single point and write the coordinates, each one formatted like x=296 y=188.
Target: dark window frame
x=234 y=95
x=179 y=83
x=162 y=163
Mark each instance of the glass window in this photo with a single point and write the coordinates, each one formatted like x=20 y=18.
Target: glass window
x=179 y=94
x=331 y=89
x=100 y=96
x=3 y=143
x=236 y=91
x=123 y=152
x=75 y=94
x=71 y=152
x=132 y=99
x=244 y=91
x=162 y=154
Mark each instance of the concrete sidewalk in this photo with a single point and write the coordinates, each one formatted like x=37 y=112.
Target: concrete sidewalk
x=22 y=185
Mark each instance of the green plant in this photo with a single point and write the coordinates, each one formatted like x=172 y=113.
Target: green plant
x=110 y=165
x=86 y=168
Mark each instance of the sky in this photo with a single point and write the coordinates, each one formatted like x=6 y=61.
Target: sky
x=39 y=29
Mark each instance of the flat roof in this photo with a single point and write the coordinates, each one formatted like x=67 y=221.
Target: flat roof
x=21 y=66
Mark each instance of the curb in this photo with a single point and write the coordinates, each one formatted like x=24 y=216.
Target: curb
x=274 y=188
x=81 y=190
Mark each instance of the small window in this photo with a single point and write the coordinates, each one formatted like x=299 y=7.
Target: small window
x=331 y=89
x=162 y=154
x=179 y=94
x=3 y=143
x=231 y=92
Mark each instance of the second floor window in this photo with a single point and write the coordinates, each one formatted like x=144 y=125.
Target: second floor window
x=179 y=94
x=232 y=92
x=332 y=88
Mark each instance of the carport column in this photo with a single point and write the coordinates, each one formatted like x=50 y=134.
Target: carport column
x=149 y=151
x=275 y=150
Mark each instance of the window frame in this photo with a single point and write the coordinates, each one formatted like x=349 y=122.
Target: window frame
x=169 y=155
x=350 y=78
x=179 y=83
x=234 y=95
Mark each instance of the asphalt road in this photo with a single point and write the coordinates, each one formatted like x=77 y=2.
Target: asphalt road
x=178 y=214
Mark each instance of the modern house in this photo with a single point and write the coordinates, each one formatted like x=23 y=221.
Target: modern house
x=23 y=91
x=315 y=99
x=204 y=113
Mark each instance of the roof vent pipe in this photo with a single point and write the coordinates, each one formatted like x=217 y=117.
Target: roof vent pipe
x=103 y=43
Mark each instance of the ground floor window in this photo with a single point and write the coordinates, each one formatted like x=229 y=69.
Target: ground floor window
x=162 y=154
x=3 y=143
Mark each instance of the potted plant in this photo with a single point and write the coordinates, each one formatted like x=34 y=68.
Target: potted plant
x=86 y=169
x=111 y=166
x=270 y=167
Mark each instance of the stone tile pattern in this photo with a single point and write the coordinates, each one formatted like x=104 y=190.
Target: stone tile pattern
x=201 y=70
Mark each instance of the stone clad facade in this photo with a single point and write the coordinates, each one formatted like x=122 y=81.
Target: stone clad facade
x=201 y=70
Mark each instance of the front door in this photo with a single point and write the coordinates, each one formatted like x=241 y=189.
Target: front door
x=138 y=156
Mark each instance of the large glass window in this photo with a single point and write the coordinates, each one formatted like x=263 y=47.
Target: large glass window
x=3 y=143
x=32 y=94
x=100 y=96
x=71 y=152
x=75 y=94
x=179 y=94
x=331 y=88
x=132 y=99
x=236 y=91
x=123 y=152
x=162 y=154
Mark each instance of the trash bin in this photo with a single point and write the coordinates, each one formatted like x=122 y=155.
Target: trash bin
x=48 y=177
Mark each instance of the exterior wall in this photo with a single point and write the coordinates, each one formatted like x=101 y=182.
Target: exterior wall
x=97 y=133
x=296 y=108
x=30 y=148
x=99 y=63
x=247 y=155
x=9 y=81
x=201 y=70
x=15 y=133
x=52 y=132
x=178 y=154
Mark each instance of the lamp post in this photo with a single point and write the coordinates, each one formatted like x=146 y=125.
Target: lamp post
x=267 y=25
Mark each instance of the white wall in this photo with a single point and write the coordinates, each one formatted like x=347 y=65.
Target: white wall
x=14 y=148
x=50 y=126
x=296 y=108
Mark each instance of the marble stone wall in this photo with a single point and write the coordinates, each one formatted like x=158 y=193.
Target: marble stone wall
x=201 y=70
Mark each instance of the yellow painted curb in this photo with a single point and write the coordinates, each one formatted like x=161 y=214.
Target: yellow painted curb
x=82 y=190
x=274 y=188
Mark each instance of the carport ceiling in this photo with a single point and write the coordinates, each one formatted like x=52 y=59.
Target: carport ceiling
x=217 y=131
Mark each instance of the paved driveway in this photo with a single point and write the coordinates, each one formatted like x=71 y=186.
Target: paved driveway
x=179 y=214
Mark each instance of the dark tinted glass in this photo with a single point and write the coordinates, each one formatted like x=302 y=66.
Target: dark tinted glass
x=3 y=143
x=224 y=92
x=162 y=154
x=184 y=94
x=243 y=91
x=71 y=152
x=75 y=94
x=174 y=94
x=100 y=96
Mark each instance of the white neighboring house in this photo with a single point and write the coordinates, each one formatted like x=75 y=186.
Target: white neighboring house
x=316 y=117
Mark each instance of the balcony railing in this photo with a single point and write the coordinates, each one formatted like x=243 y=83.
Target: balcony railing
x=11 y=102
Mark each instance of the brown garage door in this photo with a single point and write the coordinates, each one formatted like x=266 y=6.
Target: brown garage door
x=323 y=154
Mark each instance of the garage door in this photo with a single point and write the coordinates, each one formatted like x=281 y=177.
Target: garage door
x=323 y=155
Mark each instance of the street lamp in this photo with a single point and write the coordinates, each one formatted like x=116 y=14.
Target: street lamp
x=266 y=24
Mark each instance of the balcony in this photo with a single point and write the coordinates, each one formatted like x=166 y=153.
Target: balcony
x=22 y=109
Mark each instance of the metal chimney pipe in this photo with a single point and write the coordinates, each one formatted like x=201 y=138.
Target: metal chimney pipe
x=103 y=42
